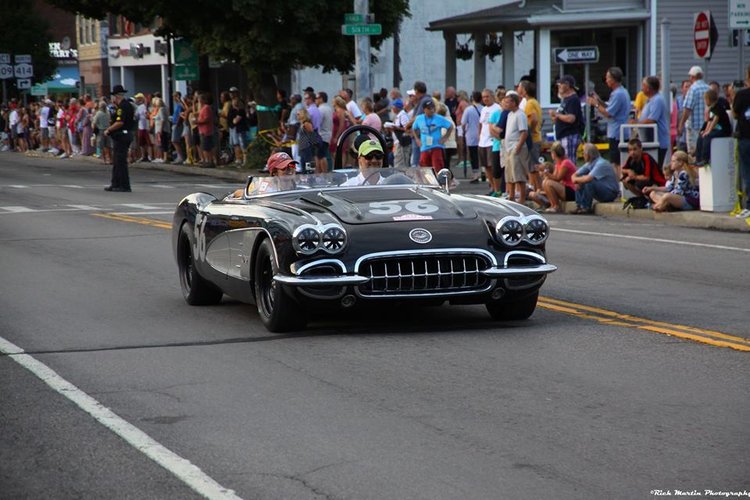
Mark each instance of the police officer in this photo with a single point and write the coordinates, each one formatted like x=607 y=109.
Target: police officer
x=120 y=132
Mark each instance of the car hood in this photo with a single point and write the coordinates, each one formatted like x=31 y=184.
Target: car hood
x=374 y=205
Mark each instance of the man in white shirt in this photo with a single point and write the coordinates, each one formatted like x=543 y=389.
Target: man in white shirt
x=516 y=152
x=485 y=138
x=13 y=125
x=323 y=162
x=351 y=105
x=43 y=125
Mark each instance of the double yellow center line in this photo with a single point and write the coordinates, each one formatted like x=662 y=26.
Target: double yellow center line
x=626 y=320
x=135 y=220
x=603 y=316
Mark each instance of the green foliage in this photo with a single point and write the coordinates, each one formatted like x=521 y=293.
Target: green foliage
x=258 y=152
x=24 y=32
x=262 y=36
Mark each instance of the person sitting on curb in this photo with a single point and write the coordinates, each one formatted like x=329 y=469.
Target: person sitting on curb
x=681 y=191
x=557 y=183
x=595 y=180
x=640 y=169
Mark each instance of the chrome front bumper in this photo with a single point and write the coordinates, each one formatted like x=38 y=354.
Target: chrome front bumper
x=347 y=280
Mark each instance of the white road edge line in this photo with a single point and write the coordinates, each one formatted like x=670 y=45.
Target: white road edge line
x=645 y=238
x=185 y=471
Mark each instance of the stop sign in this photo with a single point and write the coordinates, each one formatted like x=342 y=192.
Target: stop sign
x=702 y=35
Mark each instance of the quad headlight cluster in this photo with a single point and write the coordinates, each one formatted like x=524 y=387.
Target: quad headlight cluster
x=513 y=230
x=309 y=238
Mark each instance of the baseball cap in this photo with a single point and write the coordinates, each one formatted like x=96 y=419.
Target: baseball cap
x=429 y=103
x=279 y=161
x=139 y=95
x=511 y=92
x=398 y=103
x=695 y=71
x=234 y=89
x=567 y=79
x=368 y=147
x=411 y=92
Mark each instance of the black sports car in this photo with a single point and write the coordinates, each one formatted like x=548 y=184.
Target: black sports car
x=296 y=243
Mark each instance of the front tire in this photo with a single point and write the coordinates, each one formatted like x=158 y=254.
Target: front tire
x=513 y=310
x=279 y=312
x=196 y=290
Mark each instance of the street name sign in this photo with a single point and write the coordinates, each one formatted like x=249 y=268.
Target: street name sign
x=576 y=55
x=355 y=18
x=39 y=89
x=187 y=72
x=361 y=29
x=739 y=14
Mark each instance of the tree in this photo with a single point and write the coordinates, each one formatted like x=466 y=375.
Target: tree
x=23 y=32
x=264 y=37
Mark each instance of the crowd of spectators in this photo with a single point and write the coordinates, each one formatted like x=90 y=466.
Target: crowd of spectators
x=496 y=134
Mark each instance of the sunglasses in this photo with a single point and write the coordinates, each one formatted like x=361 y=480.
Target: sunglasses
x=374 y=156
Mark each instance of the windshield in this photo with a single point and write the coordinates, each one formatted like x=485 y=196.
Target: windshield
x=420 y=176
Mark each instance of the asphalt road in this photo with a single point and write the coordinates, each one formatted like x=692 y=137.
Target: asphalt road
x=628 y=379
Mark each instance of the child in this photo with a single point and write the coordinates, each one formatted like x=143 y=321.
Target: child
x=681 y=191
x=717 y=125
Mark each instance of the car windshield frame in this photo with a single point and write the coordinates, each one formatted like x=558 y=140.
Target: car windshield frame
x=350 y=178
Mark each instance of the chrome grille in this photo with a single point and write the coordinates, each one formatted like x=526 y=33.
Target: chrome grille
x=424 y=274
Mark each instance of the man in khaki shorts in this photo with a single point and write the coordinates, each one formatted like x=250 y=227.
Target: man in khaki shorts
x=515 y=152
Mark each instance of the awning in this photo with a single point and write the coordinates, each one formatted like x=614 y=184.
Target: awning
x=518 y=15
x=64 y=80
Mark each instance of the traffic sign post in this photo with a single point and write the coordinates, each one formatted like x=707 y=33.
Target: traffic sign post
x=579 y=55
x=6 y=71
x=705 y=34
x=23 y=83
x=23 y=70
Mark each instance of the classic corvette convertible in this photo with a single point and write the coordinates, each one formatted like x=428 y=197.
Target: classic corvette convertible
x=293 y=244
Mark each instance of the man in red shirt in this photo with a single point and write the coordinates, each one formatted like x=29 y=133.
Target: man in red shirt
x=640 y=169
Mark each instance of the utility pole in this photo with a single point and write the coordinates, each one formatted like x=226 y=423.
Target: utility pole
x=362 y=54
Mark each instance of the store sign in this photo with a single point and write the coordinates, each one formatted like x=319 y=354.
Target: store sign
x=57 y=51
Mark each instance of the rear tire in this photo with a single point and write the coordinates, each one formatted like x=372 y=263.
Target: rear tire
x=279 y=312
x=196 y=290
x=513 y=310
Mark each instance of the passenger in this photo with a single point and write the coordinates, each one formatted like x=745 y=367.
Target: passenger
x=369 y=156
x=681 y=191
x=278 y=164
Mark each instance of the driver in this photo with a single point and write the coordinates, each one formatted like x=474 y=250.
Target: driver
x=369 y=156
x=278 y=164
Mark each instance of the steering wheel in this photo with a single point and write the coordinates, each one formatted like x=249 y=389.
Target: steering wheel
x=338 y=162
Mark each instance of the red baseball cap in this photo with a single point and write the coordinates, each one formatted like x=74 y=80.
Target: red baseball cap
x=279 y=161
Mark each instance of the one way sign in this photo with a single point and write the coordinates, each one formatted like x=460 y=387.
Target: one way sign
x=576 y=55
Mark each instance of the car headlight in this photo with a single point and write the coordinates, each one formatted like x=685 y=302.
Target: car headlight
x=334 y=238
x=510 y=231
x=536 y=229
x=306 y=239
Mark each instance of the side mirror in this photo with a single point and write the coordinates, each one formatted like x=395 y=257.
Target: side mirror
x=444 y=178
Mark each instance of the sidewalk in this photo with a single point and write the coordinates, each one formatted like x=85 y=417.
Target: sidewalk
x=697 y=219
